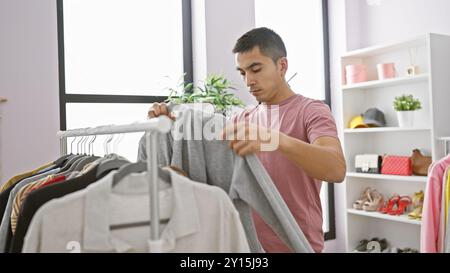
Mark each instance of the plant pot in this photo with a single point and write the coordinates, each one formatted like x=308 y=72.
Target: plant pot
x=405 y=118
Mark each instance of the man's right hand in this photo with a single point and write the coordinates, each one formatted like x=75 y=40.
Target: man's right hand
x=159 y=109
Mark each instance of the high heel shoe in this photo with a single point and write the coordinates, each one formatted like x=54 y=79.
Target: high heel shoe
x=358 y=204
x=374 y=202
x=417 y=203
x=403 y=204
x=389 y=205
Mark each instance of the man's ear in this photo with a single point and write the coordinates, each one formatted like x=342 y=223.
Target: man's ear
x=283 y=66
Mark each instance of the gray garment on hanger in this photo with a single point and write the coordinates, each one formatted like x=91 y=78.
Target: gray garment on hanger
x=6 y=224
x=245 y=179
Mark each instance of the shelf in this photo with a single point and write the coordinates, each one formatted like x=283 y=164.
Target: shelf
x=383 y=129
x=387 y=83
x=402 y=218
x=422 y=179
x=430 y=55
x=381 y=49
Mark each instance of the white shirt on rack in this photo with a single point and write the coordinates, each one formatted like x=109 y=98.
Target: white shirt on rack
x=202 y=219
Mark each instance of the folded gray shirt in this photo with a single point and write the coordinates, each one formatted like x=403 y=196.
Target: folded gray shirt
x=210 y=160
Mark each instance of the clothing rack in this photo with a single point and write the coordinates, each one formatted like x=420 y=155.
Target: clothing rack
x=161 y=125
x=446 y=140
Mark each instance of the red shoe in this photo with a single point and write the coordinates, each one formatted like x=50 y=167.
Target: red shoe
x=403 y=204
x=389 y=205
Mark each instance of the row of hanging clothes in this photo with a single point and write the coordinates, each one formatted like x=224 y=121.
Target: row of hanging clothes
x=435 y=229
x=205 y=198
x=25 y=195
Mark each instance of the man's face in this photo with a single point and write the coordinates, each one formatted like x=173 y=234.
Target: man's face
x=261 y=75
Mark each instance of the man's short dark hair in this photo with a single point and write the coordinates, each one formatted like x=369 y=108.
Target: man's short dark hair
x=270 y=44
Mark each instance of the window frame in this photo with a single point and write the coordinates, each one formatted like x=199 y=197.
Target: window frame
x=65 y=98
x=331 y=234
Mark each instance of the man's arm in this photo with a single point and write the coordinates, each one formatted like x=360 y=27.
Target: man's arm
x=322 y=160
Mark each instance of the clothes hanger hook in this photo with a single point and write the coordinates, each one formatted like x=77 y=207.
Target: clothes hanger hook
x=82 y=145
x=91 y=145
x=105 y=148
x=116 y=143
x=71 y=150
x=108 y=140
x=122 y=136
x=95 y=138
x=86 y=145
x=78 y=145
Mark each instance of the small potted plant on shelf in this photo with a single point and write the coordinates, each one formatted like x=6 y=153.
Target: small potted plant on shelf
x=214 y=90
x=406 y=105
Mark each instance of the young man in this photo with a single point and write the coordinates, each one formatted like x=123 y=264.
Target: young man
x=308 y=150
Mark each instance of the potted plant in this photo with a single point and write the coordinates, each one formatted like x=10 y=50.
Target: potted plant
x=214 y=90
x=405 y=106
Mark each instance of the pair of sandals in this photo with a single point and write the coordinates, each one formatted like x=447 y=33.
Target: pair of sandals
x=370 y=200
x=406 y=250
x=417 y=202
x=365 y=245
x=396 y=205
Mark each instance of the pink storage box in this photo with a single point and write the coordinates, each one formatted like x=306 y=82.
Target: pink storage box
x=386 y=71
x=355 y=73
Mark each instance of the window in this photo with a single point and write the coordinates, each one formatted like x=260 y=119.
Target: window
x=78 y=115
x=300 y=24
x=117 y=56
x=303 y=25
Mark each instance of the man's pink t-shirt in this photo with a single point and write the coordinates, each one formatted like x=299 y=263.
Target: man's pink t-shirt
x=304 y=119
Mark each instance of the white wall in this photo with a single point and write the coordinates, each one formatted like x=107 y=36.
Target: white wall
x=394 y=20
x=29 y=79
x=226 y=21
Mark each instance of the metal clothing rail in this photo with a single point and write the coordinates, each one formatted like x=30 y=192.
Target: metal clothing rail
x=162 y=125
x=446 y=141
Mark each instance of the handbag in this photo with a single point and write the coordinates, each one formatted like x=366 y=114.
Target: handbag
x=397 y=165
x=420 y=163
x=368 y=163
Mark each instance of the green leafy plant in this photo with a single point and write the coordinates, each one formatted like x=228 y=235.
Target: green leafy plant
x=214 y=90
x=406 y=103
x=182 y=93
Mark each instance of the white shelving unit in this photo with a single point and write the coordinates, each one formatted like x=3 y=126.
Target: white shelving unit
x=401 y=218
x=413 y=178
x=383 y=129
x=387 y=83
x=432 y=87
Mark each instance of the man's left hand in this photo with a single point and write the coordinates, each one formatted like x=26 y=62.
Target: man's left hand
x=247 y=138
